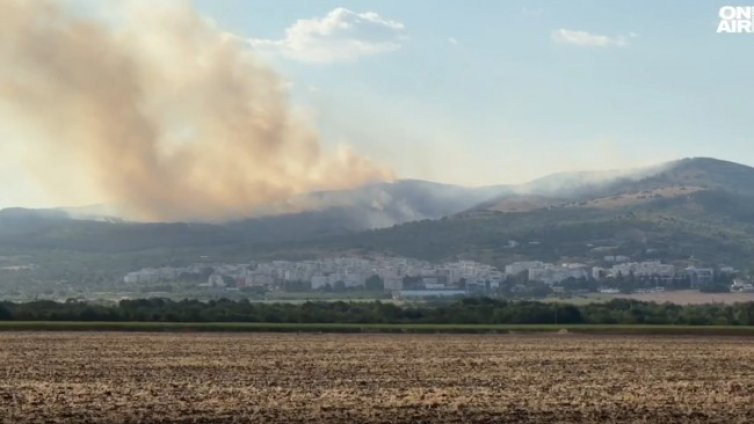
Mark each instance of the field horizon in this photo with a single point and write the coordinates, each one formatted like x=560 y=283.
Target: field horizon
x=264 y=327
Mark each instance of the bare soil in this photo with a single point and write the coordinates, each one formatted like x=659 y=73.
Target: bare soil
x=337 y=378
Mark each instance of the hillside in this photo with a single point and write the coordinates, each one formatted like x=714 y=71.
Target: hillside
x=373 y=206
x=669 y=229
x=692 y=210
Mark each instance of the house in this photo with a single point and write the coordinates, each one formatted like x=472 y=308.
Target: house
x=219 y=280
x=699 y=277
x=741 y=286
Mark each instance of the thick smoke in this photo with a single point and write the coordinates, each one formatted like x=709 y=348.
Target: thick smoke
x=154 y=109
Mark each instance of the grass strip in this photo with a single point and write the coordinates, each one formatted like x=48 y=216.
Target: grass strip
x=373 y=328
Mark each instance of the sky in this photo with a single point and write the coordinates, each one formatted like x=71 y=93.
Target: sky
x=492 y=92
x=486 y=92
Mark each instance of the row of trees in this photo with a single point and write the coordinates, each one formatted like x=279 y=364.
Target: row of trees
x=465 y=311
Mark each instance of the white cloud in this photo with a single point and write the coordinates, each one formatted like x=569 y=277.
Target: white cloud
x=454 y=41
x=586 y=39
x=341 y=35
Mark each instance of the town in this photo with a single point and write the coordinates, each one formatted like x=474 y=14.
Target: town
x=410 y=278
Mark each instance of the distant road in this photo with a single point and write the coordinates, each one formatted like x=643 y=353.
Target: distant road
x=377 y=328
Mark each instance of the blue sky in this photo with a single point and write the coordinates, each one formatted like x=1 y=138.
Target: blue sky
x=485 y=92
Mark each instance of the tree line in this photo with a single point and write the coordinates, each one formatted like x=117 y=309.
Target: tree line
x=464 y=311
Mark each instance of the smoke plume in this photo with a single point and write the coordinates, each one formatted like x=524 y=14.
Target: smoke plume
x=154 y=109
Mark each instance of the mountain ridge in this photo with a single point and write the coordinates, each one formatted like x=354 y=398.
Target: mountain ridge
x=702 y=192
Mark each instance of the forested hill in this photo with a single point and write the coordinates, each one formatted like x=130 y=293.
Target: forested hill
x=692 y=208
x=697 y=208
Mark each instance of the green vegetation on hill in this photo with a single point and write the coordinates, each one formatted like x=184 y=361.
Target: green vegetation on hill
x=713 y=227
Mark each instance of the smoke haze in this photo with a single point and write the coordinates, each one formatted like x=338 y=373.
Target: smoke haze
x=157 y=111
